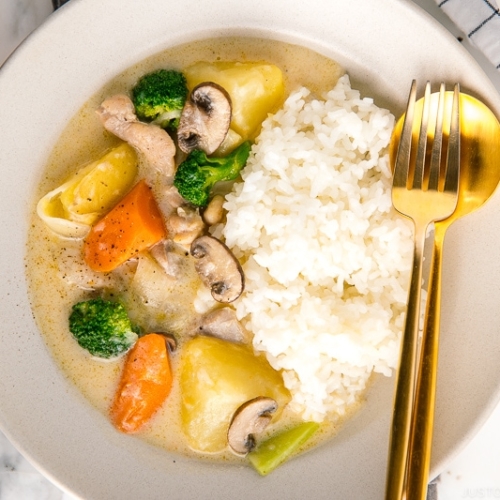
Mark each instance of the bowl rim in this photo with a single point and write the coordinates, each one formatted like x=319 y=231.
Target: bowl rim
x=67 y=33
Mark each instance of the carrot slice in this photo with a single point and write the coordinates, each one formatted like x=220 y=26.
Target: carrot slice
x=145 y=383
x=133 y=225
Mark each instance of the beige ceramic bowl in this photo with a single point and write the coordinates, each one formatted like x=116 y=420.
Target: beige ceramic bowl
x=383 y=44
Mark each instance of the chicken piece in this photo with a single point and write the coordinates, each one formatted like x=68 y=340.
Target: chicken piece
x=169 y=199
x=117 y=115
x=116 y=110
x=169 y=257
x=185 y=226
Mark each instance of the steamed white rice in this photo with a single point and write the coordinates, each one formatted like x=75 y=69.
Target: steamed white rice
x=326 y=259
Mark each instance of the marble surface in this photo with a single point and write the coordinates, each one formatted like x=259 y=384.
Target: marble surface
x=474 y=473
x=18 y=18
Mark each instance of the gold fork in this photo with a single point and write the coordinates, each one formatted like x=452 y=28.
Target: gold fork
x=426 y=193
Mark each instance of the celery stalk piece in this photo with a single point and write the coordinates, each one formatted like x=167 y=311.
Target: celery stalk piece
x=280 y=447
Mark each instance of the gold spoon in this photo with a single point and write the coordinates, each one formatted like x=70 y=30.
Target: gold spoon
x=479 y=177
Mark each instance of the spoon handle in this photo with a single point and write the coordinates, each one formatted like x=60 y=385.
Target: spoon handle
x=405 y=384
x=419 y=449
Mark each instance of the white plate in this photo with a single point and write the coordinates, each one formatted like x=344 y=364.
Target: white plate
x=383 y=44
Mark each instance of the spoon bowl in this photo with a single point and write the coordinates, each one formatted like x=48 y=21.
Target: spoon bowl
x=479 y=150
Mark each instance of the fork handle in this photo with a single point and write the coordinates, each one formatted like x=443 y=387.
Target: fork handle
x=405 y=385
x=425 y=393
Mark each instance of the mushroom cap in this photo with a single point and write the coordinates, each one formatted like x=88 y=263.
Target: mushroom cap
x=218 y=268
x=249 y=419
x=205 y=118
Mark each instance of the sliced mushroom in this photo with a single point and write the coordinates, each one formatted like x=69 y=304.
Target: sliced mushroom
x=205 y=119
x=250 y=418
x=223 y=323
x=218 y=268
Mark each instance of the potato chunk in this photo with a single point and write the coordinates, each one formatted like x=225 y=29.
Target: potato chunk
x=100 y=185
x=71 y=208
x=255 y=88
x=216 y=378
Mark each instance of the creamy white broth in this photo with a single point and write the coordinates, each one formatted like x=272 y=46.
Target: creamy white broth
x=85 y=140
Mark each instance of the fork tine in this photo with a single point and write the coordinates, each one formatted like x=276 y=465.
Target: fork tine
x=402 y=163
x=453 y=163
x=418 y=178
x=437 y=145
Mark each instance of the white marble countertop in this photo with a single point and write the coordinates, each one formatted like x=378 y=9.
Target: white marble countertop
x=474 y=473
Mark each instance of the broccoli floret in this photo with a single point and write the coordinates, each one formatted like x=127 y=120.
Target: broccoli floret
x=160 y=97
x=102 y=327
x=197 y=174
